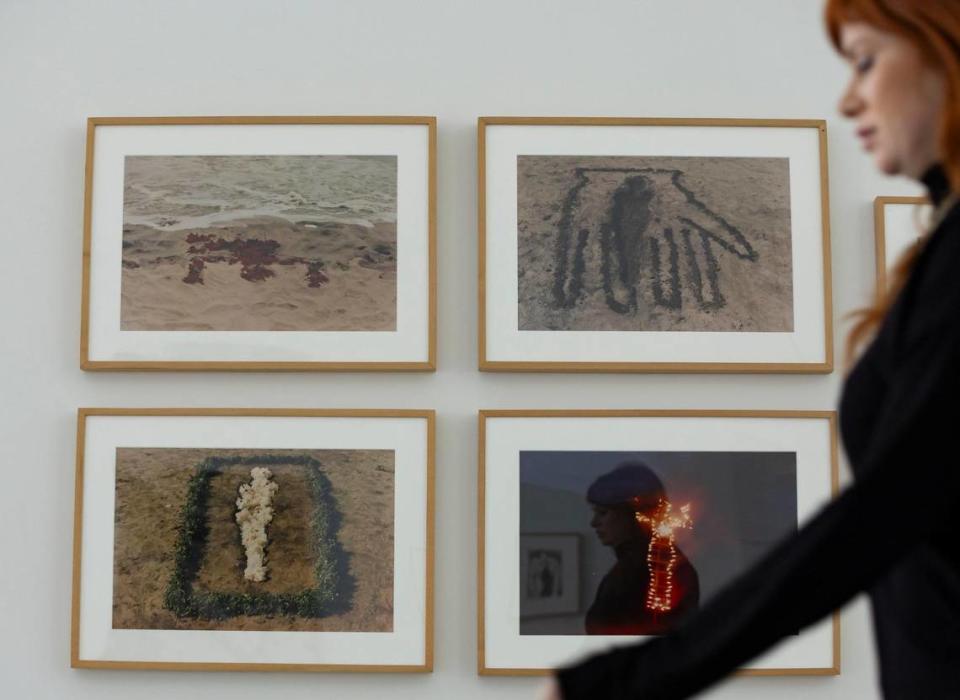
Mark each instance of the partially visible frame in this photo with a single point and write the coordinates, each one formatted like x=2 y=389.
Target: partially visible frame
x=896 y=226
x=511 y=440
x=349 y=553
x=642 y=212
x=260 y=244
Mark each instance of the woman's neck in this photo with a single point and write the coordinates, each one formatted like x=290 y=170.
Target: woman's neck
x=632 y=547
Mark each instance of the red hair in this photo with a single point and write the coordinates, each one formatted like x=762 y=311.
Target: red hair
x=933 y=27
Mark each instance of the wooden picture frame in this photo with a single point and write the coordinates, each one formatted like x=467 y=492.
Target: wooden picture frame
x=534 y=466
x=892 y=235
x=573 y=279
x=201 y=252
x=347 y=582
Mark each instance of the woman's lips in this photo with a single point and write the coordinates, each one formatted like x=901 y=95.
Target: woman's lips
x=866 y=135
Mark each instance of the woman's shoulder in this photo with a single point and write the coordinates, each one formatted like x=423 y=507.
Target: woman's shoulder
x=929 y=307
x=939 y=262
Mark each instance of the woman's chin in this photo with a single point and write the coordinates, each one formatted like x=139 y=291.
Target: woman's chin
x=885 y=164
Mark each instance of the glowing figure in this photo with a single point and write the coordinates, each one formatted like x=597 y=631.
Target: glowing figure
x=662 y=551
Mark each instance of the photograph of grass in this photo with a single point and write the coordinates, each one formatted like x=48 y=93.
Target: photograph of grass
x=253 y=539
x=259 y=243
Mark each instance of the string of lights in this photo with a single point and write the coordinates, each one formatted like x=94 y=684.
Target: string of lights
x=662 y=551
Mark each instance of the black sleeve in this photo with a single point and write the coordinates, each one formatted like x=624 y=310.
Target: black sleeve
x=907 y=490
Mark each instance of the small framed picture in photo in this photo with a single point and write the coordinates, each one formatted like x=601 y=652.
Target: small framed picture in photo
x=601 y=528
x=654 y=245
x=898 y=224
x=549 y=574
x=260 y=243
x=214 y=539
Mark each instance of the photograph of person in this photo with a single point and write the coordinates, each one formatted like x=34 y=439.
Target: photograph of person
x=658 y=532
x=628 y=516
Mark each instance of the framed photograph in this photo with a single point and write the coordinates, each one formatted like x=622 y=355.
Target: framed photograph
x=654 y=245
x=667 y=507
x=260 y=243
x=898 y=223
x=549 y=574
x=235 y=539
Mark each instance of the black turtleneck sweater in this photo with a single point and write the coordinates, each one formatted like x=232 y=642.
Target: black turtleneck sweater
x=620 y=606
x=895 y=533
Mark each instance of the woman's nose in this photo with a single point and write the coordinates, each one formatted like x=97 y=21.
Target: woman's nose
x=851 y=104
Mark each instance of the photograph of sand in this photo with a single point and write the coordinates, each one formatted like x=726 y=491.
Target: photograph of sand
x=626 y=243
x=259 y=243
x=230 y=539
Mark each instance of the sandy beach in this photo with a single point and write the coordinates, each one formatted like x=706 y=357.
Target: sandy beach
x=259 y=243
x=305 y=277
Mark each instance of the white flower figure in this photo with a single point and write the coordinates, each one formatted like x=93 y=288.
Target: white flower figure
x=254 y=513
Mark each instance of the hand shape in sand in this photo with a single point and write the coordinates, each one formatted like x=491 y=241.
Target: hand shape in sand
x=649 y=228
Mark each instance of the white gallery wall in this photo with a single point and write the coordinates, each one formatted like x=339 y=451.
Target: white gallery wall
x=63 y=61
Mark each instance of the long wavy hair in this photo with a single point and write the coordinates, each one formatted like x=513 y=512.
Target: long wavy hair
x=933 y=26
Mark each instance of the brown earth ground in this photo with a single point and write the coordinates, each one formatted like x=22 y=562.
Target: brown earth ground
x=359 y=294
x=151 y=487
x=752 y=194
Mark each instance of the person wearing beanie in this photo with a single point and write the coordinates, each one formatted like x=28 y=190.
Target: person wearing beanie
x=626 y=503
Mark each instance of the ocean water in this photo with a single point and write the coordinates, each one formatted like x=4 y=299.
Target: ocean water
x=180 y=192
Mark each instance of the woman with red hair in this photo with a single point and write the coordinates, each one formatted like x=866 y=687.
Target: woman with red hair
x=894 y=533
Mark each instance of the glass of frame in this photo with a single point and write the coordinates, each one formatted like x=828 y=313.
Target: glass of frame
x=260 y=243
x=897 y=224
x=705 y=493
x=216 y=539
x=640 y=245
